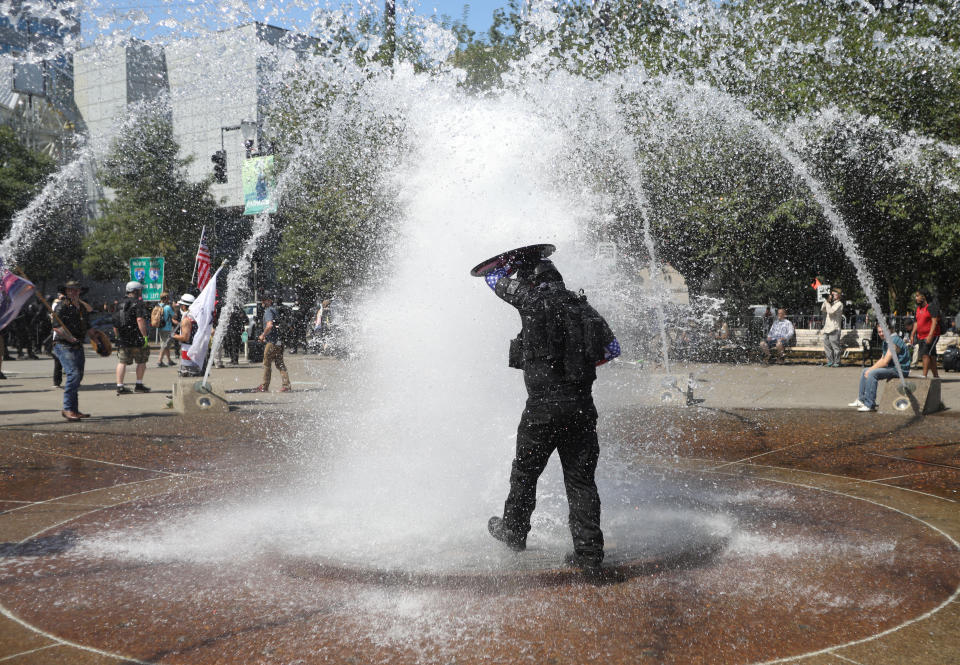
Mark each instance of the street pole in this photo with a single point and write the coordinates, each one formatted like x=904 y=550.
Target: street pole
x=390 y=29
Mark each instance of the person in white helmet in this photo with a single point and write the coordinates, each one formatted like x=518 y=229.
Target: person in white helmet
x=188 y=328
x=133 y=344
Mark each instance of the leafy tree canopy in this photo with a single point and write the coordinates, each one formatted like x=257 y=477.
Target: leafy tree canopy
x=155 y=211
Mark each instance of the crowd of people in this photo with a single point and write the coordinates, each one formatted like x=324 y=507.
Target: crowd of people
x=132 y=325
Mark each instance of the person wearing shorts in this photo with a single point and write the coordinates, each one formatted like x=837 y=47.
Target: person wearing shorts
x=132 y=341
x=926 y=332
x=166 y=331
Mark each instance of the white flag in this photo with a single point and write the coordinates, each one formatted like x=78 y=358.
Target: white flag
x=201 y=311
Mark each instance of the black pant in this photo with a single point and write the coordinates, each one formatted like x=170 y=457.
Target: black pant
x=231 y=347
x=570 y=428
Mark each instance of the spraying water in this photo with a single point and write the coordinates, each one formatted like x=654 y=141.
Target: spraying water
x=425 y=437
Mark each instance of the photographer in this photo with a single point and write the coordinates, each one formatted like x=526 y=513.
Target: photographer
x=832 y=308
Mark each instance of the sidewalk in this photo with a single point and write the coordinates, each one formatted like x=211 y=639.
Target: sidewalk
x=753 y=386
x=28 y=397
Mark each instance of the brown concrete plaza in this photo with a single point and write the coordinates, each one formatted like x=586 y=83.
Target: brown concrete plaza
x=845 y=544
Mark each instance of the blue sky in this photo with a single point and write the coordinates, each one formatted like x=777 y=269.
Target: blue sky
x=141 y=17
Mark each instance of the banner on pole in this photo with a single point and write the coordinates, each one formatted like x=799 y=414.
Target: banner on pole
x=259 y=182
x=148 y=270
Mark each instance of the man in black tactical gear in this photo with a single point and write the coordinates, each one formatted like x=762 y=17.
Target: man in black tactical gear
x=561 y=343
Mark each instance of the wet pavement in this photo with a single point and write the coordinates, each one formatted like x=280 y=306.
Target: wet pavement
x=839 y=535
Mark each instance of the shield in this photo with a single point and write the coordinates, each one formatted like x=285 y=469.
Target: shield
x=100 y=342
x=515 y=257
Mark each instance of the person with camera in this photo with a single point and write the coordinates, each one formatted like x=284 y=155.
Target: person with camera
x=561 y=343
x=832 y=308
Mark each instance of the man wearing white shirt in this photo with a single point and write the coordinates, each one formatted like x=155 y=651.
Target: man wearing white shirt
x=832 y=309
x=780 y=335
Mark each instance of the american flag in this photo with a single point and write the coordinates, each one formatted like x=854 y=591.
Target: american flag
x=14 y=294
x=203 y=263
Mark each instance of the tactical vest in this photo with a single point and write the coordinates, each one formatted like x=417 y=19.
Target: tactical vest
x=561 y=341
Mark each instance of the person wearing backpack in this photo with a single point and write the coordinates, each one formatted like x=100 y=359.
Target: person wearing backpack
x=162 y=318
x=133 y=345
x=273 y=351
x=561 y=343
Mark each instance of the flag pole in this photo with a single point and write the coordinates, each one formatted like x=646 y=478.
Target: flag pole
x=210 y=349
x=202 y=233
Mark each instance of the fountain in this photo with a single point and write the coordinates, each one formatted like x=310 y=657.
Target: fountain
x=363 y=538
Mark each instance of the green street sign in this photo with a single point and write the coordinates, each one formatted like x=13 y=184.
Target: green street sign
x=148 y=270
x=259 y=181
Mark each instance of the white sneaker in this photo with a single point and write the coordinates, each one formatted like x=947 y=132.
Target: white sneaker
x=864 y=407
x=856 y=403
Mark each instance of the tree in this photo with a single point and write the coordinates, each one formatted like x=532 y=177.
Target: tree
x=22 y=172
x=156 y=210
x=51 y=247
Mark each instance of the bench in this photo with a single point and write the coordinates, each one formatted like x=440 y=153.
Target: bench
x=808 y=345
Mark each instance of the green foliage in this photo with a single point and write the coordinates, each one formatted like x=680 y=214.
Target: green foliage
x=336 y=215
x=22 y=172
x=156 y=210
x=51 y=247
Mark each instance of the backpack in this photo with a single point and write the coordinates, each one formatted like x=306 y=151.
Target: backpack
x=283 y=321
x=125 y=321
x=951 y=359
x=573 y=332
x=587 y=335
x=156 y=316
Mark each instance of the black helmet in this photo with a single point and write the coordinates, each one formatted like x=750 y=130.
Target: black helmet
x=544 y=271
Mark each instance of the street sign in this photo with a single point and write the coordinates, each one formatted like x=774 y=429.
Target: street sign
x=148 y=270
x=606 y=255
x=822 y=291
x=259 y=181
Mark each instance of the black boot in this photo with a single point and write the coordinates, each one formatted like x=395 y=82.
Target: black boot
x=498 y=530
x=590 y=564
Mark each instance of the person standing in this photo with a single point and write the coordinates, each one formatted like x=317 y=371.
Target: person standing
x=562 y=341
x=166 y=330
x=273 y=351
x=133 y=345
x=68 y=334
x=321 y=326
x=832 y=309
x=233 y=339
x=926 y=332
x=3 y=353
x=57 y=367
x=884 y=368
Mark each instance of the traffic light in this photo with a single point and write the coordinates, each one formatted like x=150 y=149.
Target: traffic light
x=219 y=160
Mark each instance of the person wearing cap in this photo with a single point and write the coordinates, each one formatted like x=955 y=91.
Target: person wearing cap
x=68 y=334
x=273 y=351
x=188 y=328
x=133 y=345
